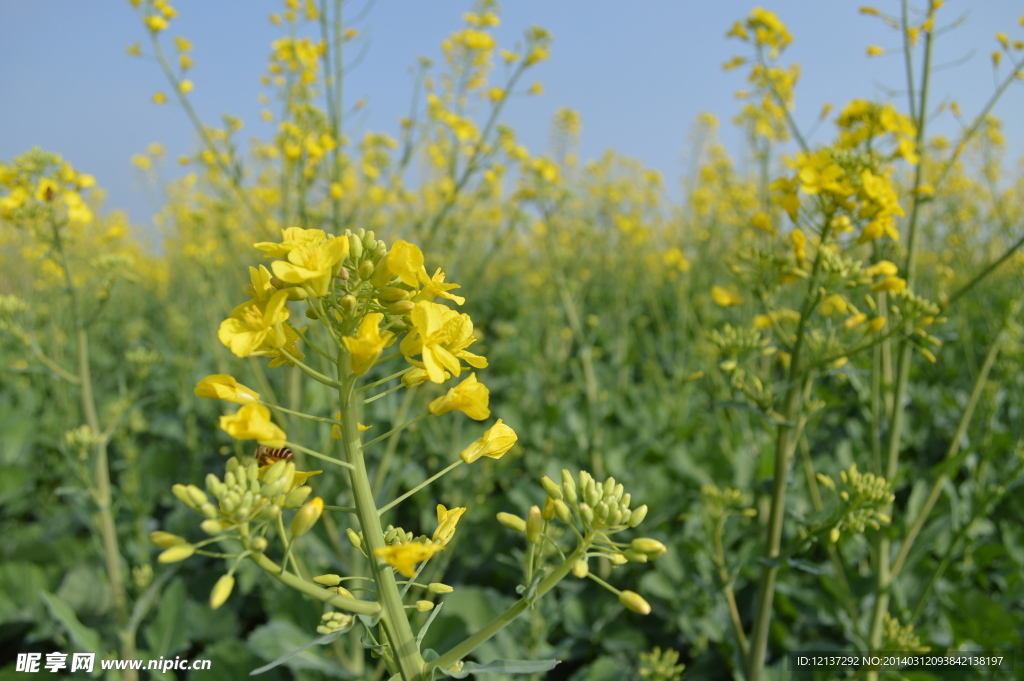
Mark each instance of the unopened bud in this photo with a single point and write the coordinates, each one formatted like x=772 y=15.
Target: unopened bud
x=512 y=522
x=307 y=516
x=834 y=535
x=298 y=495
x=211 y=527
x=296 y=293
x=651 y=547
x=390 y=294
x=618 y=559
x=259 y=544
x=637 y=516
x=581 y=568
x=366 y=269
x=548 y=512
x=166 y=540
x=343 y=273
x=355 y=247
x=534 y=525
x=587 y=514
x=562 y=511
x=328 y=580
x=221 y=590
x=635 y=556
x=439 y=588
x=400 y=308
x=181 y=492
x=424 y=606
x=568 y=487
x=275 y=472
x=349 y=303
x=176 y=553
x=635 y=602
x=353 y=538
x=552 y=489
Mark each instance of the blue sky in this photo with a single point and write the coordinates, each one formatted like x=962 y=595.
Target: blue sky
x=638 y=72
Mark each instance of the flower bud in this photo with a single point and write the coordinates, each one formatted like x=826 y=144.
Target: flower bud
x=548 y=512
x=181 y=492
x=390 y=294
x=400 y=308
x=306 y=517
x=213 y=485
x=355 y=247
x=274 y=473
x=176 y=553
x=295 y=293
x=609 y=487
x=637 y=516
x=328 y=580
x=211 y=527
x=166 y=540
x=635 y=602
x=349 y=303
x=343 y=273
x=635 y=556
x=424 y=606
x=512 y=522
x=353 y=538
x=534 y=525
x=221 y=591
x=298 y=495
x=587 y=514
x=834 y=535
x=210 y=511
x=366 y=269
x=581 y=568
x=439 y=588
x=258 y=544
x=552 y=489
x=562 y=511
x=568 y=487
x=652 y=548
x=618 y=559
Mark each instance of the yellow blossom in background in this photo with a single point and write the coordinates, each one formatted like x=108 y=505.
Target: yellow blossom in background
x=875 y=51
x=724 y=297
x=470 y=397
x=403 y=557
x=225 y=387
x=252 y=422
x=185 y=87
x=366 y=347
x=882 y=268
x=891 y=284
x=494 y=443
x=156 y=23
x=159 y=98
x=447 y=519
x=833 y=304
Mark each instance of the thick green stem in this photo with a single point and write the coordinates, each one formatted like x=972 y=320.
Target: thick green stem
x=393 y=618
x=514 y=611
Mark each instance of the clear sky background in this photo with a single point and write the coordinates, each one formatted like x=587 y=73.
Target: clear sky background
x=638 y=71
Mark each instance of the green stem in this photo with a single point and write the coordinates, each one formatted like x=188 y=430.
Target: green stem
x=396 y=430
x=393 y=618
x=417 y=488
x=311 y=589
x=300 y=414
x=318 y=455
x=505 y=618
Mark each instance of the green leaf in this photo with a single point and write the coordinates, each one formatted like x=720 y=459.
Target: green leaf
x=319 y=641
x=504 y=667
x=286 y=643
x=166 y=635
x=82 y=636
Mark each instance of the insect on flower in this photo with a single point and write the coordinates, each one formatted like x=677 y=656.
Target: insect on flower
x=266 y=456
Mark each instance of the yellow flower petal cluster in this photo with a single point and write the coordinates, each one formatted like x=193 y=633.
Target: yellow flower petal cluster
x=403 y=557
x=225 y=387
x=494 y=443
x=440 y=336
x=252 y=422
x=723 y=297
x=405 y=261
x=879 y=204
x=365 y=348
x=447 y=519
x=311 y=263
x=470 y=397
x=256 y=327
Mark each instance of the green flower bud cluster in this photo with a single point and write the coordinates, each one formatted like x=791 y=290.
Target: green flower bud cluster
x=661 y=665
x=392 y=535
x=900 y=637
x=723 y=503
x=331 y=622
x=861 y=496
x=81 y=440
x=734 y=342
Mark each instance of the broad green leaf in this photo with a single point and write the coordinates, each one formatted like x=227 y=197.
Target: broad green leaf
x=504 y=667
x=81 y=636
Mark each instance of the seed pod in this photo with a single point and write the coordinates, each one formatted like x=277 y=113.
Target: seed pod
x=328 y=580
x=553 y=491
x=439 y=588
x=176 y=553
x=581 y=568
x=166 y=540
x=221 y=591
x=211 y=527
x=635 y=602
x=512 y=522
x=637 y=516
x=568 y=487
x=652 y=548
x=534 y=525
x=306 y=517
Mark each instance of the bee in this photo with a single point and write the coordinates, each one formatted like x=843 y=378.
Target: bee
x=266 y=456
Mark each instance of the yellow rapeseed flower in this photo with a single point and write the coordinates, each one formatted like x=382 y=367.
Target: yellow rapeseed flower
x=252 y=422
x=365 y=348
x=447 y=519
x=470 y=397
x=875 y=51
x=403 y=557
x=155 y=23
x=440 y=335
x=291 y=238
x=225 y=387
x=494 y=443
x=313 y=265
x=724 y=297
x=883 y=268
x=253 y=326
